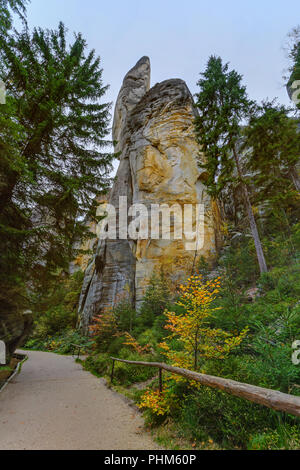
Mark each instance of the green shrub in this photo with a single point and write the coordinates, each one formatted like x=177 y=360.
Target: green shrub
x=115 y=346
x=284 y=437
x=61 y=343
x=156 y=300
x=124 y=315
x=273 y=366
x=239 y=262
x=127 y=374
x=124 y=374
x=56 y=309
x=53 y=321
x=228 y=420
x=98 y=364
x=110 y=326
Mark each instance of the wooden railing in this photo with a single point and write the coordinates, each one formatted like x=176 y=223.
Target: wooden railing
x=263 y=396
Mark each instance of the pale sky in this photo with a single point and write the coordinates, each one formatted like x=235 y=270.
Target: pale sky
x=179 y=36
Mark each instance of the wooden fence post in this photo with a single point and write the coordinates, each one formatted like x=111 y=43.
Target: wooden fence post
x=160 y=381
x=112 y=372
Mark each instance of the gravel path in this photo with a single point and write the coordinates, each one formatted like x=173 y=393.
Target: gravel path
x=54 y=404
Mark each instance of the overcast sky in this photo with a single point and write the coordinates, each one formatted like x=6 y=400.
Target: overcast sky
x=179 y=36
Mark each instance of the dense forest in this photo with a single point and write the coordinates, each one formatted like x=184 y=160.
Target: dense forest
x=235 y=317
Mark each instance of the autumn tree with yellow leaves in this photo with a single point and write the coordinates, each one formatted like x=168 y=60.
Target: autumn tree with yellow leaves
x=195 y=335
x=192 y=328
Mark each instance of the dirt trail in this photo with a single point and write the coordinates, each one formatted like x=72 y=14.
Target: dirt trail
x=54 y=404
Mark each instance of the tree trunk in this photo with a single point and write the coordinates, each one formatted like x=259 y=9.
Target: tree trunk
x=259 y=251
x=196 y=356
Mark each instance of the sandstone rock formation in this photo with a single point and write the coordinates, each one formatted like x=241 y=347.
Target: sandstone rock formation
x=86 y=247
x=14 y=329
x=158 y=165
x=135 y=85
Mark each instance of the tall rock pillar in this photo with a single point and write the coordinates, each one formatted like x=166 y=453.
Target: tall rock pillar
x=154 y=133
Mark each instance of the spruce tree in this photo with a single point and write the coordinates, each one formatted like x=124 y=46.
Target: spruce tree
x=54 y=157
x=273 y=142
x=14 y=227
x=7 y=7
x=223 y=106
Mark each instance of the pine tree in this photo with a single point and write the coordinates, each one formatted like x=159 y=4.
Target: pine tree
x=223 y=104
x=12 y=291
x=54 y=158
x=7 y=7
x=273 y=140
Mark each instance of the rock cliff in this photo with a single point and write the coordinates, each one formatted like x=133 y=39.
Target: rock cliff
x=14 y=329
x=153 y=130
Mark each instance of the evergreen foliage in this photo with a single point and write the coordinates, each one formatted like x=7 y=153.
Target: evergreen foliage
x=7 y=7
x=272 y=143
x=223 y=107
x=53 y=153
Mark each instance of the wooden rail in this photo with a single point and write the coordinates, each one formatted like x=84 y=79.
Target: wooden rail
x=263 y=396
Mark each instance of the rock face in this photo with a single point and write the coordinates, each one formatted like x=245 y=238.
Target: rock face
x=158 y=165
x=14 y=329
x=135 y=85
x=82 y=260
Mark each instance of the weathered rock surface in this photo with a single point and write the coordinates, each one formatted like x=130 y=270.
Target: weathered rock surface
x=158 y=165
x=14 y=329
x=135 y=84
x=88 y=246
